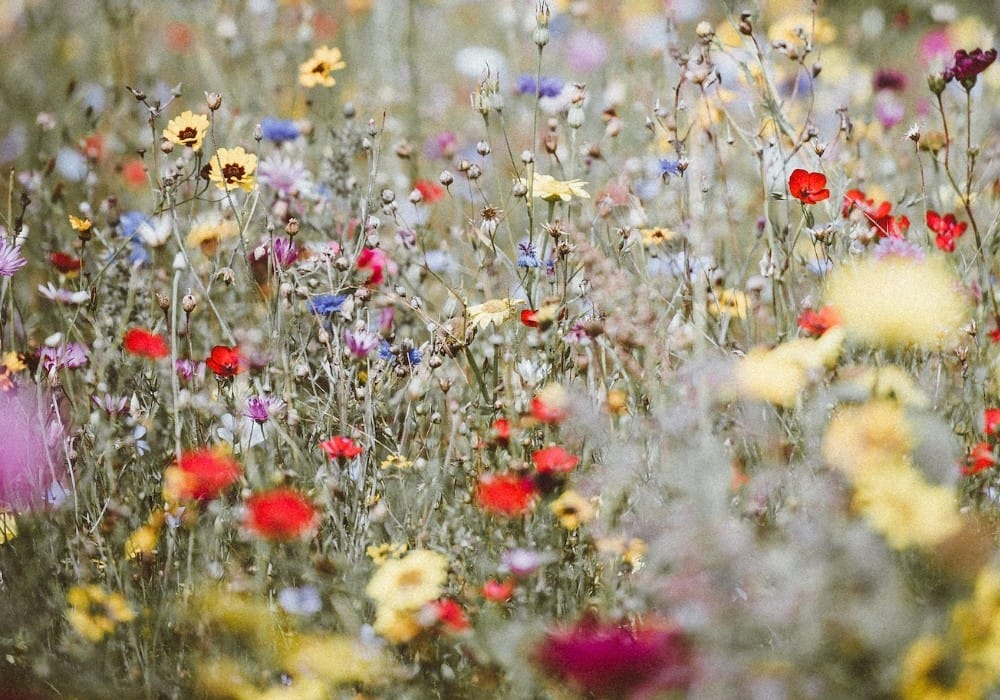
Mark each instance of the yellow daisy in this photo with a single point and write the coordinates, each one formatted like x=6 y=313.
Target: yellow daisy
x=233 y=167
x=187 y=129
x=316 y=71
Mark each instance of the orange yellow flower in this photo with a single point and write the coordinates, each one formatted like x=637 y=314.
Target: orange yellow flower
x=316 y=71
x=231 y=168
x=187 y=129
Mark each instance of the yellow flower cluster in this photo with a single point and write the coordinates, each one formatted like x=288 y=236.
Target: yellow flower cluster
x=966 y=662
x=401 y=587
x=871 y=444
x=779 y=375
x=95 y=612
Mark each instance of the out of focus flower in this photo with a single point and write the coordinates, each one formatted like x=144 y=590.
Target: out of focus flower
x=550 y=405
x=408 y=583
x=509 y=494
x=187 y=129
x=445 y=612
x=230 y=168
x=340 y=447
x=779 y=375
x=95 y=612
x=549 y=189
x=316 y=71
x=279 y=130
x=226 y=361
x=11 y=259
x=495 y=311
x=286 y=176
x=65 y=263
x=145 y=343
x=208 y=234
x=546 y=86
x=572 y=510
x=521 y=562
x=304 y=600
x=729 y=302
x=381 y=553
x=325 y=304
x=68 y=355
x=921 y=676
x=63 y=296
x=607 y=660
x=200 y=475
x=377 y=261
x=31 y=462
x=816 y=323
x=263 y=407
x=360 y=344
x=280 y=515
x=980 y=458
x=498 y=591
x=430 y=192
x=554 y=460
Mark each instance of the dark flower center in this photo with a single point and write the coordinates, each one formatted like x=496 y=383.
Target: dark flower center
x=187 y=135
x=233 y=172
x=321 y=67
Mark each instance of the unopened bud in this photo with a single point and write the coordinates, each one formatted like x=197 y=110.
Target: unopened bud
x=213 y=100
x=188 y=302
x=166 y=146
x=446 y=178
x=163 y=300
x=292 y=227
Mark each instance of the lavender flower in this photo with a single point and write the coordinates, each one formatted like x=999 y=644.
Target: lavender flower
x=289 y=178
x=527 y=254
x=544 y=87
x=304 y=600
x=262 y=407
x=67 y=355
x=521 y=562
x=668 y=167
x=361 y=343
x=30 y=461
x=63 y=296
x=892 y=246
x=186 y=368
x=112 y=405
x=11 y=259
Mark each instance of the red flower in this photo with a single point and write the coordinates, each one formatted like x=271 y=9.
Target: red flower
x=505 y=494
x=501 y=431
x=529 y=317
x=65 y=263
x=226 y=361
x=200 y=475
x=376 y=260
x=816 y=323
x=991 y=420
x=281 y=514
x=878 y=217
x=602 y=660
x=554 y=460
x=449 y=614
x=430 y=191
x=947 y=229
x=980 y=458
x=807 y=187
x=145 y=343
x=340 y=446
x=498 y=591
x=550 y=405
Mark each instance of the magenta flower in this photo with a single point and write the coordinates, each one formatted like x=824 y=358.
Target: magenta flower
x=361 y=343
x=969 y=65
x=260 y=408
x=604 y=660
x=11 y=259
x=31 y=461
x=67 y=355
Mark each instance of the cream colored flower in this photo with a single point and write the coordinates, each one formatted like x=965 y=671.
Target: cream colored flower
x=187 y=129
x=231 y=168
x=316 y=71
x=572 y=509
x=494 y=311
x=779 y=375
x=551 y=190
x=409 y=582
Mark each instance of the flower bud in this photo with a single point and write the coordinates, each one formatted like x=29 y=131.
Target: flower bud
x=213 y=100
x=188 y=302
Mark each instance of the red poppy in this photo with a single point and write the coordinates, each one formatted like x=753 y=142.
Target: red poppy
x=947 y=228
x=554 y=460
x=339 y=446
x=529 y=317
x=501 y=431
x=550 y=406
x=376 y=260
x=878 y=217
x=980 y=458
x=505 y=494
x=430 y=191
x=808 y=187
x=816 y=323
x=991 y=420
x=64 y=262
x=498 y=591
x=449 y=614
x=281 y=514
x=201 y=475
x=145 y=343
x=226 y=361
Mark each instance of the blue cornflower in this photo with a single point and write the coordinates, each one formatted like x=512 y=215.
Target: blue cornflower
x=546 y=86
x=138 y=255
x=412 y=355
x=527 y=255
x=130 y=221
x=279 y=130
x=326 y=304
x=668 y=167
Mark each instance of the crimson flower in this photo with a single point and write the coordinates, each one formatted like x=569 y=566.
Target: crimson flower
x=505 y=494
x=376 y=260
x=947 y=229
x=448 y=613
x=878 y=217
x=980 y=458
x=341 y=447
x=991 y=420
x=554 y=460
x=607 y=660
x=808 y=187
x=64 y=262
x=226 y=361
x=200 y=475
x=968 y=66
x=816 y=323
x=529 y=317
x=280 y=514
x=145 y=343
x=501 y=431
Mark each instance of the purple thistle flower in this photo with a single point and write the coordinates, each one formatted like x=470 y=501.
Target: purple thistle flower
x=186 y=368
x=262 y=407
x=361 y=343
x=11 y=259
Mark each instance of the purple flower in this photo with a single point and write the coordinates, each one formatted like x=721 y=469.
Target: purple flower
x=521 y=562
x=889 y=79
x=262 y=407
x=67 y=355
x=112 y=405
x=667 y=167
x=543 y=87
x=889 y=110
x=11 y=259
x=892 y=246
x=969 y=65
x=289 y=178
x=31 y=463
x=186 y=368
x=361 y=343
x=441 y=146
x=586 y=51
x=527 y=254
x=279 y=130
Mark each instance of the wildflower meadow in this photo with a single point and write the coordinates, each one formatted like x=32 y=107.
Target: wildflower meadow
x=499 y=349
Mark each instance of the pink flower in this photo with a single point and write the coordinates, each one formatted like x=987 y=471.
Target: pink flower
x=31 y=461
x=377 y=261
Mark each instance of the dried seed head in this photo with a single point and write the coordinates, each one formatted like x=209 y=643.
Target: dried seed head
x=163 y=300
x=213 y=100
x=188 y=302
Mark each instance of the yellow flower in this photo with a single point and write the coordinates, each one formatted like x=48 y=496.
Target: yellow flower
x=187 y=129
x=231 y=168
x=409 y=582
x=729 y=302
x=494 y=311
x=780 y=375
x=78 y=224
x=334 y=659
x=381 y=553
x=656 y=236
x=551 y=190
x=12 y=362
x=8 y=527
x=975 y=623
x=316 y=71
x=873 y=436
x=898 y=302
x=789 y=27
x=207 y=234
x=901 y=506
x=95 y=612
x=572 y=509
x=886 y=382
x=927 y=665
x=397 y=625
x=396 y=462
x=142 y=542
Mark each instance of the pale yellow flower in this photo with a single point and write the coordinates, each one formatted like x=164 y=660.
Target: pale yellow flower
x=656 y=236
x=779 y=375
x=231 y=168
x=397 y=625
x=381 y=553
x=187 y=129
x=494 y=311
x=898 y=302
x=572 y=509
x=729 y=302
x=396 y=462
x=975 y=623
x=208 y=234
x=142 y=542
x=790 y=27
x=334 y=659
x=409 y=582
x=316 y=70
x=549 y=189
x=873 y=436
x=95 y=612
x=8 y=527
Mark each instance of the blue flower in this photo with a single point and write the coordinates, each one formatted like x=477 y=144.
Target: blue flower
x=668 y=167
x=527 y=255
x=326 y=304
x=412 y=355
x=279 y=130
x=130 y=221
x=545 y=87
